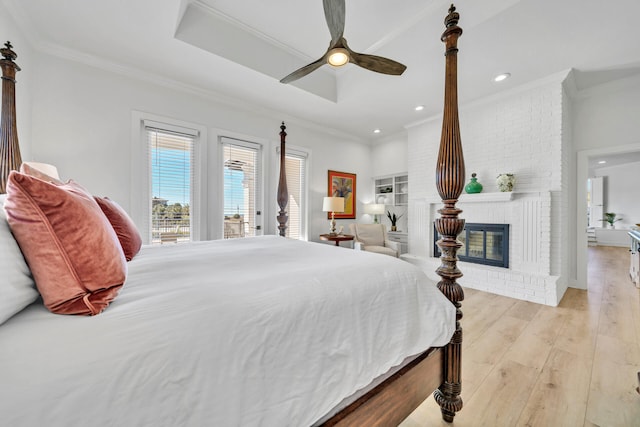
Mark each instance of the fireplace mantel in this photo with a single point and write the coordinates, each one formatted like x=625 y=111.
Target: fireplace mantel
x=477 y=198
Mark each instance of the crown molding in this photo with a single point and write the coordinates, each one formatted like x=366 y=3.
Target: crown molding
x=246 y=28
x=218 y=97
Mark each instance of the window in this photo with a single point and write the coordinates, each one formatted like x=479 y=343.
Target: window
x=242 y=188
x=295 y=170
x=172 y=163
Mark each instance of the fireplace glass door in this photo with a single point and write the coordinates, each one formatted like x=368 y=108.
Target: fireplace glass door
x=481 y=244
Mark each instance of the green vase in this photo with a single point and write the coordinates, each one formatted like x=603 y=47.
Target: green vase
x=473 y=186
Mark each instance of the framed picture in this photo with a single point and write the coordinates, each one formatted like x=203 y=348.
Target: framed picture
x=343 y=184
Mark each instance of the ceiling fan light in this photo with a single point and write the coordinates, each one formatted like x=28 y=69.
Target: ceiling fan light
x=338 y=57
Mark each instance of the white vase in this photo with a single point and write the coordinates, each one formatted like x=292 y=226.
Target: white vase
x=505 y=182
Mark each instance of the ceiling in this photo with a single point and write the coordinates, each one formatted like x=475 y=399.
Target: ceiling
x=237 y=51
x=612 y=160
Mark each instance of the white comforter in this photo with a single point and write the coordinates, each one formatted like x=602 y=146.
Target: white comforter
x=260 y=331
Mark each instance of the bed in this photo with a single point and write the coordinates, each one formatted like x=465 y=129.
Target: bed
x=251 y=331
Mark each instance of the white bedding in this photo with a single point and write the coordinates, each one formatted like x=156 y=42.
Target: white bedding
x=259 y=331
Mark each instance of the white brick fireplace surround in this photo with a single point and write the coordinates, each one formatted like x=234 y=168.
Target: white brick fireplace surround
x=529 y=217
x=527 y=132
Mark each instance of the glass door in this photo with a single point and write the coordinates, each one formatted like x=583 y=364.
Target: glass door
x=595 y=202
x=242 y=184
x=171 y=159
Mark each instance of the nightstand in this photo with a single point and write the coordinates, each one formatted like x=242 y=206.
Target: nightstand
x=336 y=238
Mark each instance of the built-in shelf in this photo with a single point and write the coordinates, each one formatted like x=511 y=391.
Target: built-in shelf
x=392 y=190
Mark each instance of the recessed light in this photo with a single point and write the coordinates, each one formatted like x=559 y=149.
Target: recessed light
x=376 y=131
x=602 y=162
x=420 y=108
x=501 y=77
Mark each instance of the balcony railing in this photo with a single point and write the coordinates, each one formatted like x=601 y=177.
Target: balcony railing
x=170 y=231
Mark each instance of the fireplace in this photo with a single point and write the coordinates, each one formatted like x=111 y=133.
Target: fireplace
x=486 y=244
x=531 y=258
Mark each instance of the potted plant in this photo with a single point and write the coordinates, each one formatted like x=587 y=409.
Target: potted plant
x=610 y=217
x=394 y=219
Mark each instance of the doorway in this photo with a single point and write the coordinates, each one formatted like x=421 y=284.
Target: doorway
x=242 y=185
x=585 y=159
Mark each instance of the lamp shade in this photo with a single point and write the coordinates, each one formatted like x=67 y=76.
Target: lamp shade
x=333 y=204
x=374 y=209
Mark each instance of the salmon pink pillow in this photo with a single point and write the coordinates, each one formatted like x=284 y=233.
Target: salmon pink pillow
x=125 y=228
x=72 y=250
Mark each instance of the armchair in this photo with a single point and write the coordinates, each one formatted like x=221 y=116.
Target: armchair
x=373 y=238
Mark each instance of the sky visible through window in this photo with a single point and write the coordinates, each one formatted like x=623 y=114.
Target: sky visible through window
x=171 y=180
x=233 y=192
x=171 y=175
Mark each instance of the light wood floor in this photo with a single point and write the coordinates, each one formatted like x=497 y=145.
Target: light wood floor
x=526 y=364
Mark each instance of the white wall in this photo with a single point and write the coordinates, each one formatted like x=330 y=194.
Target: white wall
x=621 y=193
x=390 y=157
x=82 y=122
x=566 y=258
x=607 y=115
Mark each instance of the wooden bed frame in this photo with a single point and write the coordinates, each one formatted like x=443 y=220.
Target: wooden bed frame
x=436 y=369
x=10 y=158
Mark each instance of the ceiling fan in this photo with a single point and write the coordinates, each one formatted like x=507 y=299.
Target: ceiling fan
x=339 y=53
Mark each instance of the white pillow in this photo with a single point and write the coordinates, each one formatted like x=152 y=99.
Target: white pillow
x=17 y=287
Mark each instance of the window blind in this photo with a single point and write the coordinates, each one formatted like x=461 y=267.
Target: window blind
x=171 y=159
x=242 y=188
x=295 y=167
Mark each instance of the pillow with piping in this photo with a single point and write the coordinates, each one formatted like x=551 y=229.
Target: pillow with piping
x=70 y=246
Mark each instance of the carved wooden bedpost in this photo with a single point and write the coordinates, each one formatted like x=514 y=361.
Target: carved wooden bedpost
x=10 y=158
x=450 y=183
x=283 y=193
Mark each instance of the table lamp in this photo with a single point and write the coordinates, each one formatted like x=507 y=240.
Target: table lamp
x=374 y=209
x=333 y=205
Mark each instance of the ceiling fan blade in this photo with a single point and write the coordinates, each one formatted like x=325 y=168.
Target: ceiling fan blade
x=334 y=14
x=377 y=63
x=301 y=72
